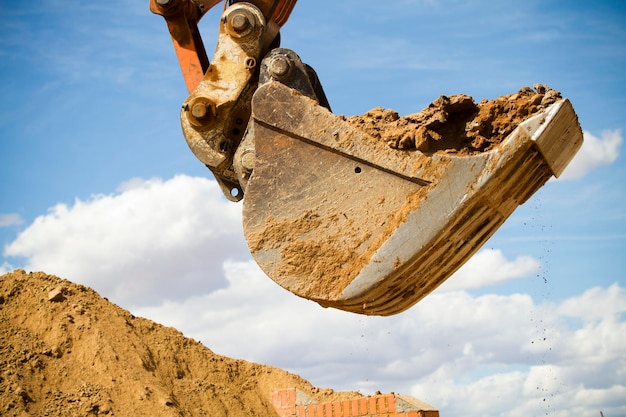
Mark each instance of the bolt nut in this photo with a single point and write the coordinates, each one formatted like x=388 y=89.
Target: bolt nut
x=200 y=112
x=240 y=23
x=280 y=67
x=247 y=161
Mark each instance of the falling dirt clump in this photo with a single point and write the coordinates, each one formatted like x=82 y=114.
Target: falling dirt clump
x=456 y=124
x=65 y=351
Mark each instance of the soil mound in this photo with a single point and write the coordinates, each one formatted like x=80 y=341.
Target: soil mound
x=456 y=124
x=64 y=350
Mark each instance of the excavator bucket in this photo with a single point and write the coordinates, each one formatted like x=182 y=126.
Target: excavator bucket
x=337 y=216
x=367 y=215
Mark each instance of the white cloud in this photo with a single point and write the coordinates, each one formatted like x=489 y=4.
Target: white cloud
x=596 y=303
x=151 y=240
x=552 y=366
x=490 y=267
x=10 y=219
x=594 y=152
x=542 y=390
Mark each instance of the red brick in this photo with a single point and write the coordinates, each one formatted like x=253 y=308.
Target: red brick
x=291 y=397
x=380 y=406
x=284 y=401
x=372 y=405
x=301 y=411
x=310 y=410
x=286 y=411
x=397 y=415
x=345 y=408
x=391 y=403
x=336 y=409
x=363 y=406
x=354 y=410
x=414 y=414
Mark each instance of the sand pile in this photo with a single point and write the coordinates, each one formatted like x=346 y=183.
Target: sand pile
x=66 y=351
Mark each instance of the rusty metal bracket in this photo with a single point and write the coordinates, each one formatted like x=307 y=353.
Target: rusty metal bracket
x=182 y=17
x=215 y=115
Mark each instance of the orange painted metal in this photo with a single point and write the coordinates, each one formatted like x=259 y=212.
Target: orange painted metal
x=182 y=17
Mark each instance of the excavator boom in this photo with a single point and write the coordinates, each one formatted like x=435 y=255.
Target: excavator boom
x=355 y=213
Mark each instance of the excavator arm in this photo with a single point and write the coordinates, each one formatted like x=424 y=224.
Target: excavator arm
x=339 y=210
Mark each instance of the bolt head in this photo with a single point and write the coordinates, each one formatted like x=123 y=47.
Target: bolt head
x=199 y=110
x=280 y=66
x=247 y=161
x=239 y=22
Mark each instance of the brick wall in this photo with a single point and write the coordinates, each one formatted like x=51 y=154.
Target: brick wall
x=293 y=403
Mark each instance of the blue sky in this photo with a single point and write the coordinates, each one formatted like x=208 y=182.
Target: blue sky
x=98 y=186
